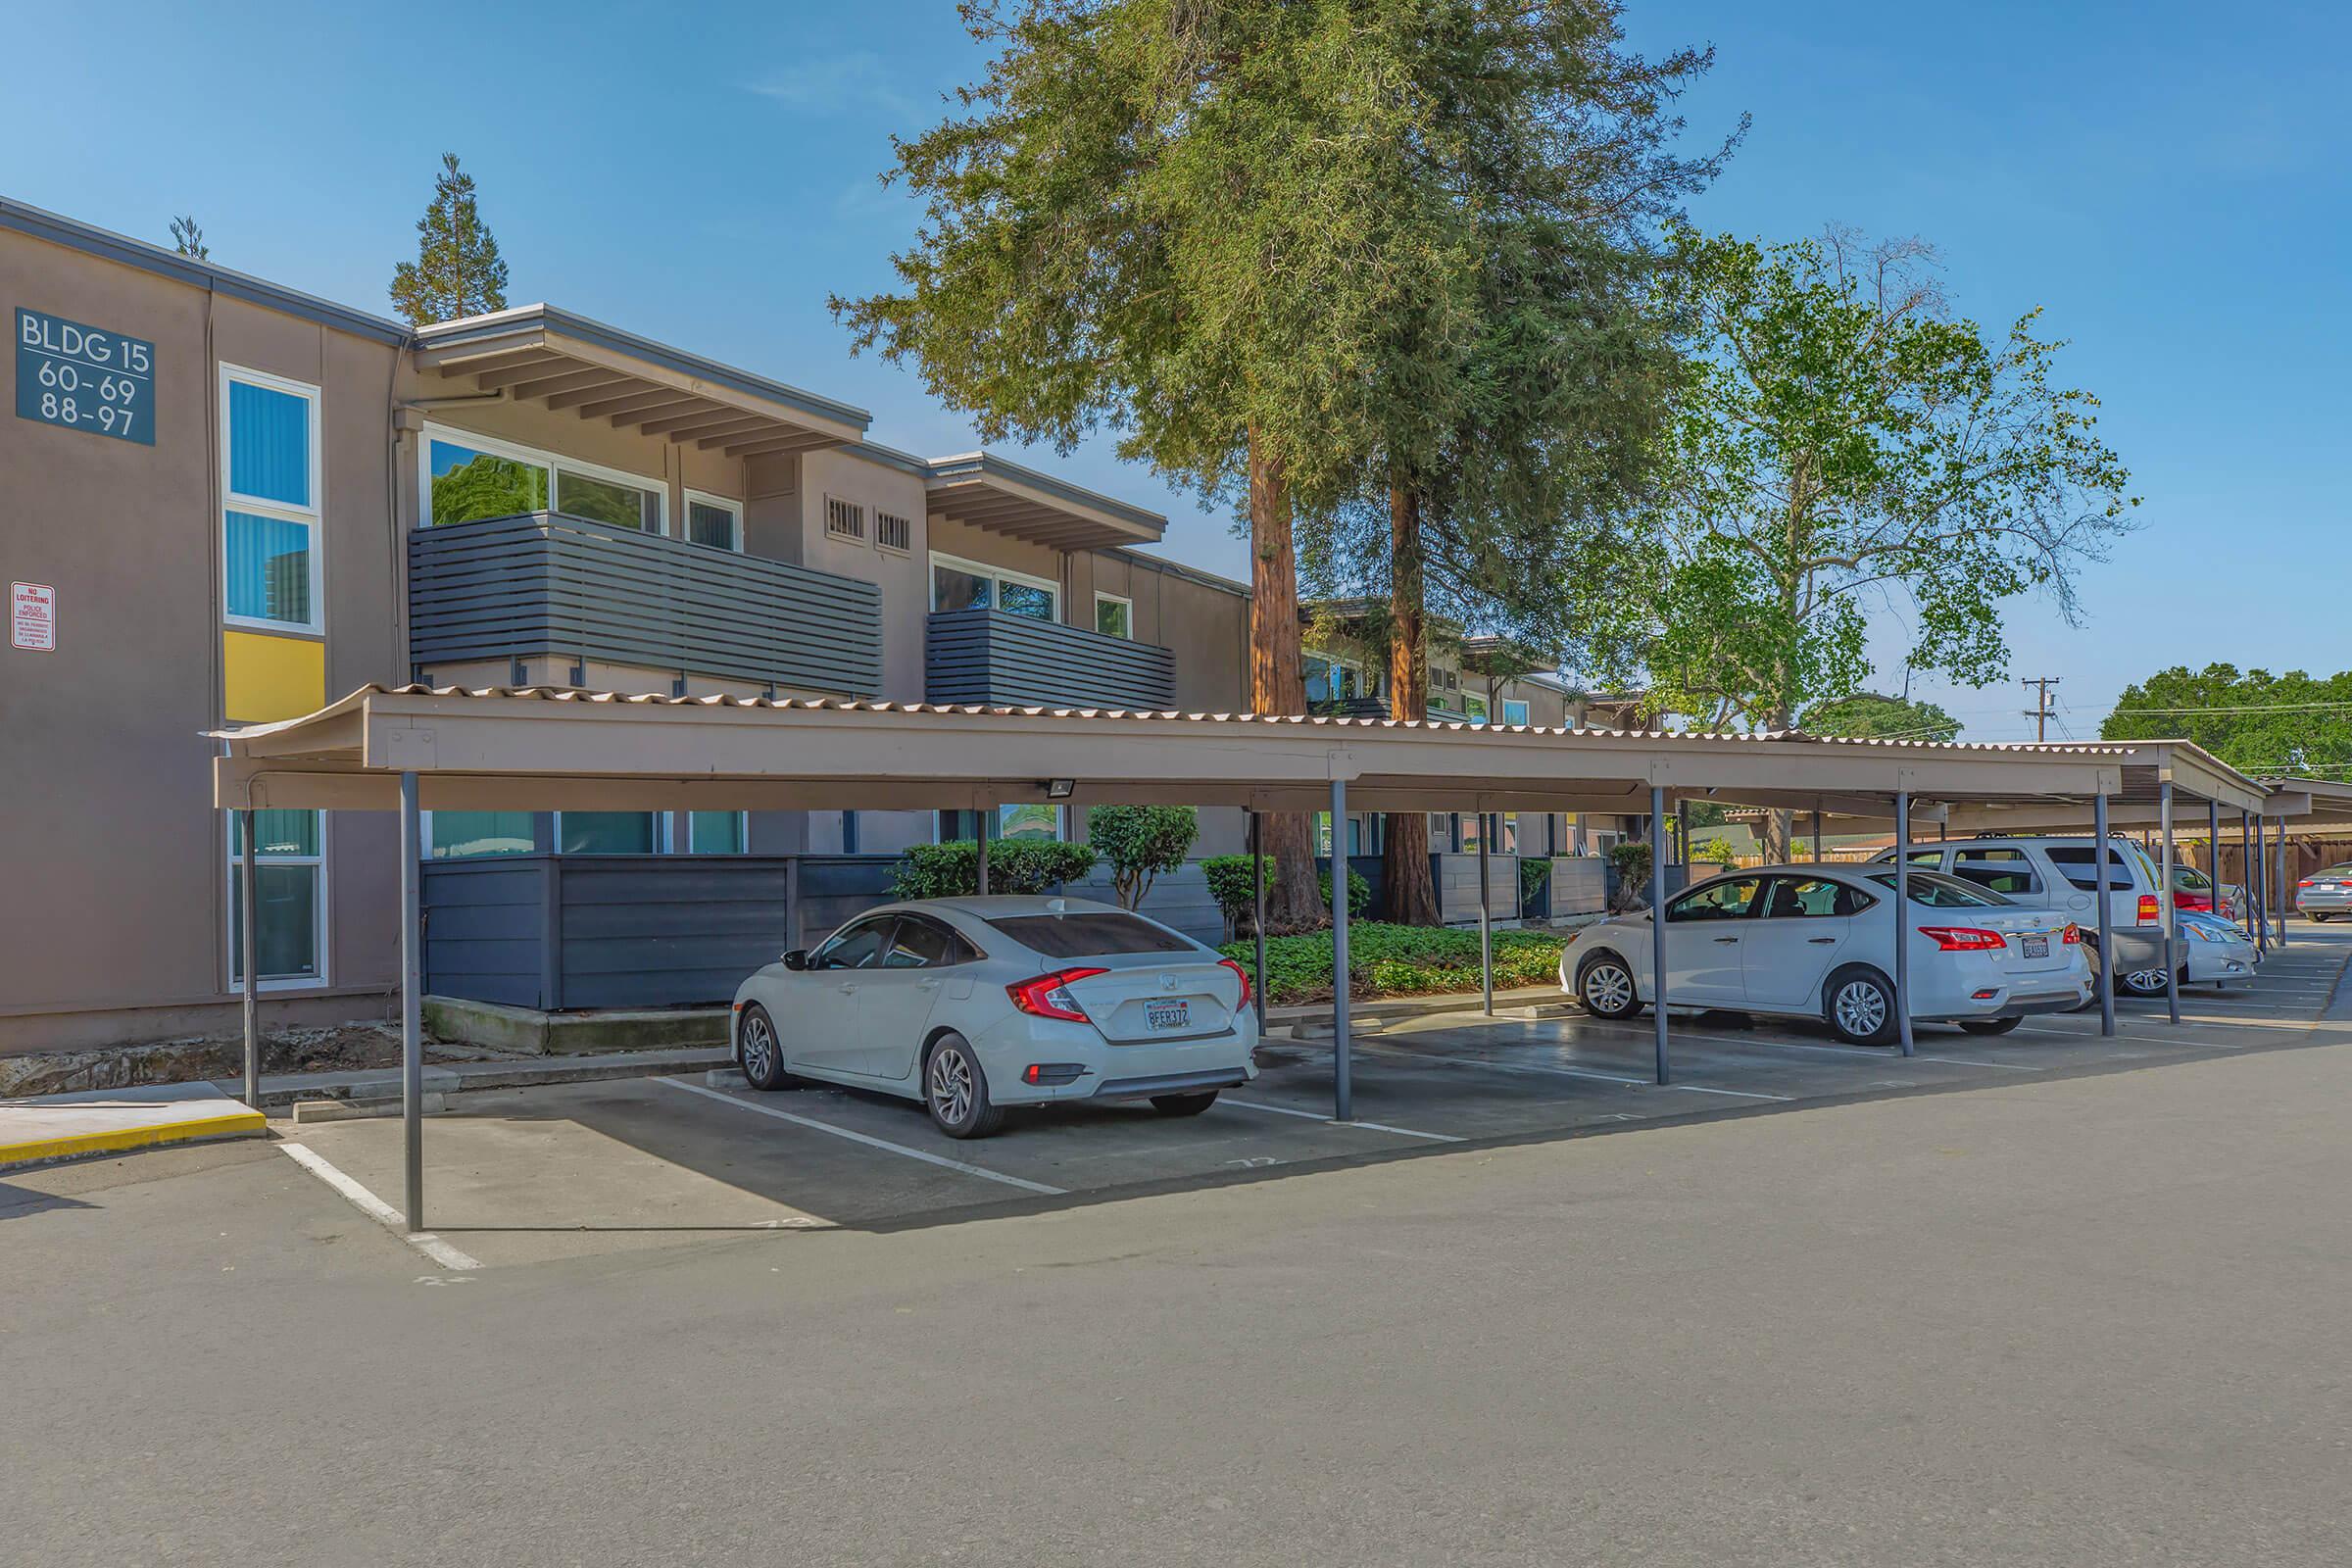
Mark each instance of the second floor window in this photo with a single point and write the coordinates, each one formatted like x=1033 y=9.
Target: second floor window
x=1115 y=616
x=269 y=522
x=469 y=478
x=969 y=585
x=845 y=519
x=713 y=520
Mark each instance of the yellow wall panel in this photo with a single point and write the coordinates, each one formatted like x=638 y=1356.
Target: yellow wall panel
x=265 y=677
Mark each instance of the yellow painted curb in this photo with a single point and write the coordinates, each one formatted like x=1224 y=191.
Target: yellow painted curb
x=238 y=1123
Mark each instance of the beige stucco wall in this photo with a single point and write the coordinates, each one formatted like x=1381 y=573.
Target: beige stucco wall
x=117 y=859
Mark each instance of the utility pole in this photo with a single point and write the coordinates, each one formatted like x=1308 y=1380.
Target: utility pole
x=2041 y=713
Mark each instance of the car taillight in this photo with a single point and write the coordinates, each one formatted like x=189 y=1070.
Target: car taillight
x=2306 y=882
x=1047 y=996
x=2148 y=909
x=1241 y=974
x=2074 y=934
x=1964 y=938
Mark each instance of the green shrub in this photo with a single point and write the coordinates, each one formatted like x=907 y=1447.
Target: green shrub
x=1228 y=879
x=1631 y=861
x=951 y=869
x=1534 y=875
x=1401 y=961
x=1360 y=891
x=1140 y=842
x=1715 y=852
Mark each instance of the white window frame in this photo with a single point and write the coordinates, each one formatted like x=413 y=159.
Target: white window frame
x=321 y=921
x=743 y=833
x=905 y=521
x=1509 y=703
x=1125 y=602
x=550 y=462
x=426 y=848
x=981 y=568
x=312 y=517
x=726 y=504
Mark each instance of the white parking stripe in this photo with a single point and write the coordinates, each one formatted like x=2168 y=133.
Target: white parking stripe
x=1316 y=1116
x=1744 y=1094
x=375 y=1208
x=928 y=1158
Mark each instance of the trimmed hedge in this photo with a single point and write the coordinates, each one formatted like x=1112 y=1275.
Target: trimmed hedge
x=951 y=870
x=1401 y=961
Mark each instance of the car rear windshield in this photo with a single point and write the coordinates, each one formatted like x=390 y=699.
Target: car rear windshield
x=1088 y=934
x=2077 y=864
x=1939 y=892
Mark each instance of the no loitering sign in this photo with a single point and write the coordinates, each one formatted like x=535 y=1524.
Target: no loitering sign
x=32 y=616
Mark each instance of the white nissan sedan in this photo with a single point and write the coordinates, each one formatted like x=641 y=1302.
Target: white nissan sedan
x=974 y=1005
x=1818 y=941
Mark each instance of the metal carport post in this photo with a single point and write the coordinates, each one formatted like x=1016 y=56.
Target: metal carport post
x=1903 y=919
x=1343 y=1089
x=1486 y=935
x=1257 y=906
x=412 y=1001
x=2104 y=981
x=2171 y=988
x=1657 y=923
x=2258 y=889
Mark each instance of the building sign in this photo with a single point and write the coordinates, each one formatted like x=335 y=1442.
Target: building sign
x=84 y=377
x=32 y=616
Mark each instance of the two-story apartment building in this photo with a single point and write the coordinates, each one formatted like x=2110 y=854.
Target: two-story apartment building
x=230 y=502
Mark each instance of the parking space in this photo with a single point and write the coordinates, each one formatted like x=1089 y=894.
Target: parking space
x=530 y=1174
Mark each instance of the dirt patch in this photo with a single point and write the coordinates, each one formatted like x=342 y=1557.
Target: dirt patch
x=335 y=1047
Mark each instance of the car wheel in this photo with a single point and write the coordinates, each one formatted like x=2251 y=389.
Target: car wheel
x=1859 y=1003
x=1605 y=985
x=1183 y=1105
x=2143 y=982
x=1989 y=1026
x=955 y=1091
x=757 y=1051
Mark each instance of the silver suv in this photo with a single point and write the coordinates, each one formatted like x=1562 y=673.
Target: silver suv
x=2061 y=874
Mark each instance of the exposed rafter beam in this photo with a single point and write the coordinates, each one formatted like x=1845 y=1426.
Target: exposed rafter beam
x=811 y=442
x=566 y=379
x=507 y=373
x=604 y=390
x=654 y=412
x=624 y=403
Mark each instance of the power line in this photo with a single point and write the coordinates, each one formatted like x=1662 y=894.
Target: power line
x=2243 y=707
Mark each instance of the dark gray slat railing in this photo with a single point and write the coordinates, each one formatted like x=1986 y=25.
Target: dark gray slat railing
x=986 y=656
x=548 y=584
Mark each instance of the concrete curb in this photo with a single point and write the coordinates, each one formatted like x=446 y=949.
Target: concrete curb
x=45 y=1128
x=283 y=1091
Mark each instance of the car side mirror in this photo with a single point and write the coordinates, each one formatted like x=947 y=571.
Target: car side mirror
x=796 y=959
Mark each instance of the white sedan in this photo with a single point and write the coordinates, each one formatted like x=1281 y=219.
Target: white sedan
x=974 y=1005
x=1818 y=941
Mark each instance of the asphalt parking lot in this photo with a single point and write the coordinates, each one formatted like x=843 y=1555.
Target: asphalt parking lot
x=534 y=1174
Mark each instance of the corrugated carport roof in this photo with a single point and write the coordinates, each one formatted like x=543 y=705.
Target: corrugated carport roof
x=541 y=748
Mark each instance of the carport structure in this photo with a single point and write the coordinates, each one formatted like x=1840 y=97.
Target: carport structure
x=412 y=749
x=2156 y=779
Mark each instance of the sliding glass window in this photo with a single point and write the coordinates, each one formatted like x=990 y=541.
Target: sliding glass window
x=269 y=513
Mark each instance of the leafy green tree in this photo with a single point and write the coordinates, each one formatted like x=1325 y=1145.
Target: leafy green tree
x=2254 y=721
x=1140 y=843
x=458 y=271
x=187 y=238
x=1838 y=441
x=1197 y=223
x=1873 y=715
x=488 y=486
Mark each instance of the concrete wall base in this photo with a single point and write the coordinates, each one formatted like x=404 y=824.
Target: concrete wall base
x=98 y=1028
x=502 y=1028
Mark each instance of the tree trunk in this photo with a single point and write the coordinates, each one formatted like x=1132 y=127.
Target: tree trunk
x=1278 y=686
x=1774 y=832
x=1413 y=894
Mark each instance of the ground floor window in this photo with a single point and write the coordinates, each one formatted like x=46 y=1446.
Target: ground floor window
x=1030 y=822
x=609 y=833
x=459 y=835
x=717 y=832
x=289 y=876
x=1366 y=833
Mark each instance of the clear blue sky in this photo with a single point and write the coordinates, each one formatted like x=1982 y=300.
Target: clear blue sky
x=2168 y=180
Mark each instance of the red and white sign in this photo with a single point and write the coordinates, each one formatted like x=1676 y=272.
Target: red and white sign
x=32 y=616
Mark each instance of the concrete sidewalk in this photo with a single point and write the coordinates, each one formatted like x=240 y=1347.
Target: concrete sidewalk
x=100 y=1121
x=281 y=1090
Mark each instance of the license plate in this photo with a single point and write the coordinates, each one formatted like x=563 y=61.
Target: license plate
x=2038 y=947
x=1165 y=1015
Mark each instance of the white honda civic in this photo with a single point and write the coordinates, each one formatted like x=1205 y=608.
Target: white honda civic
x=974 y=1005
x=1818 y=941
